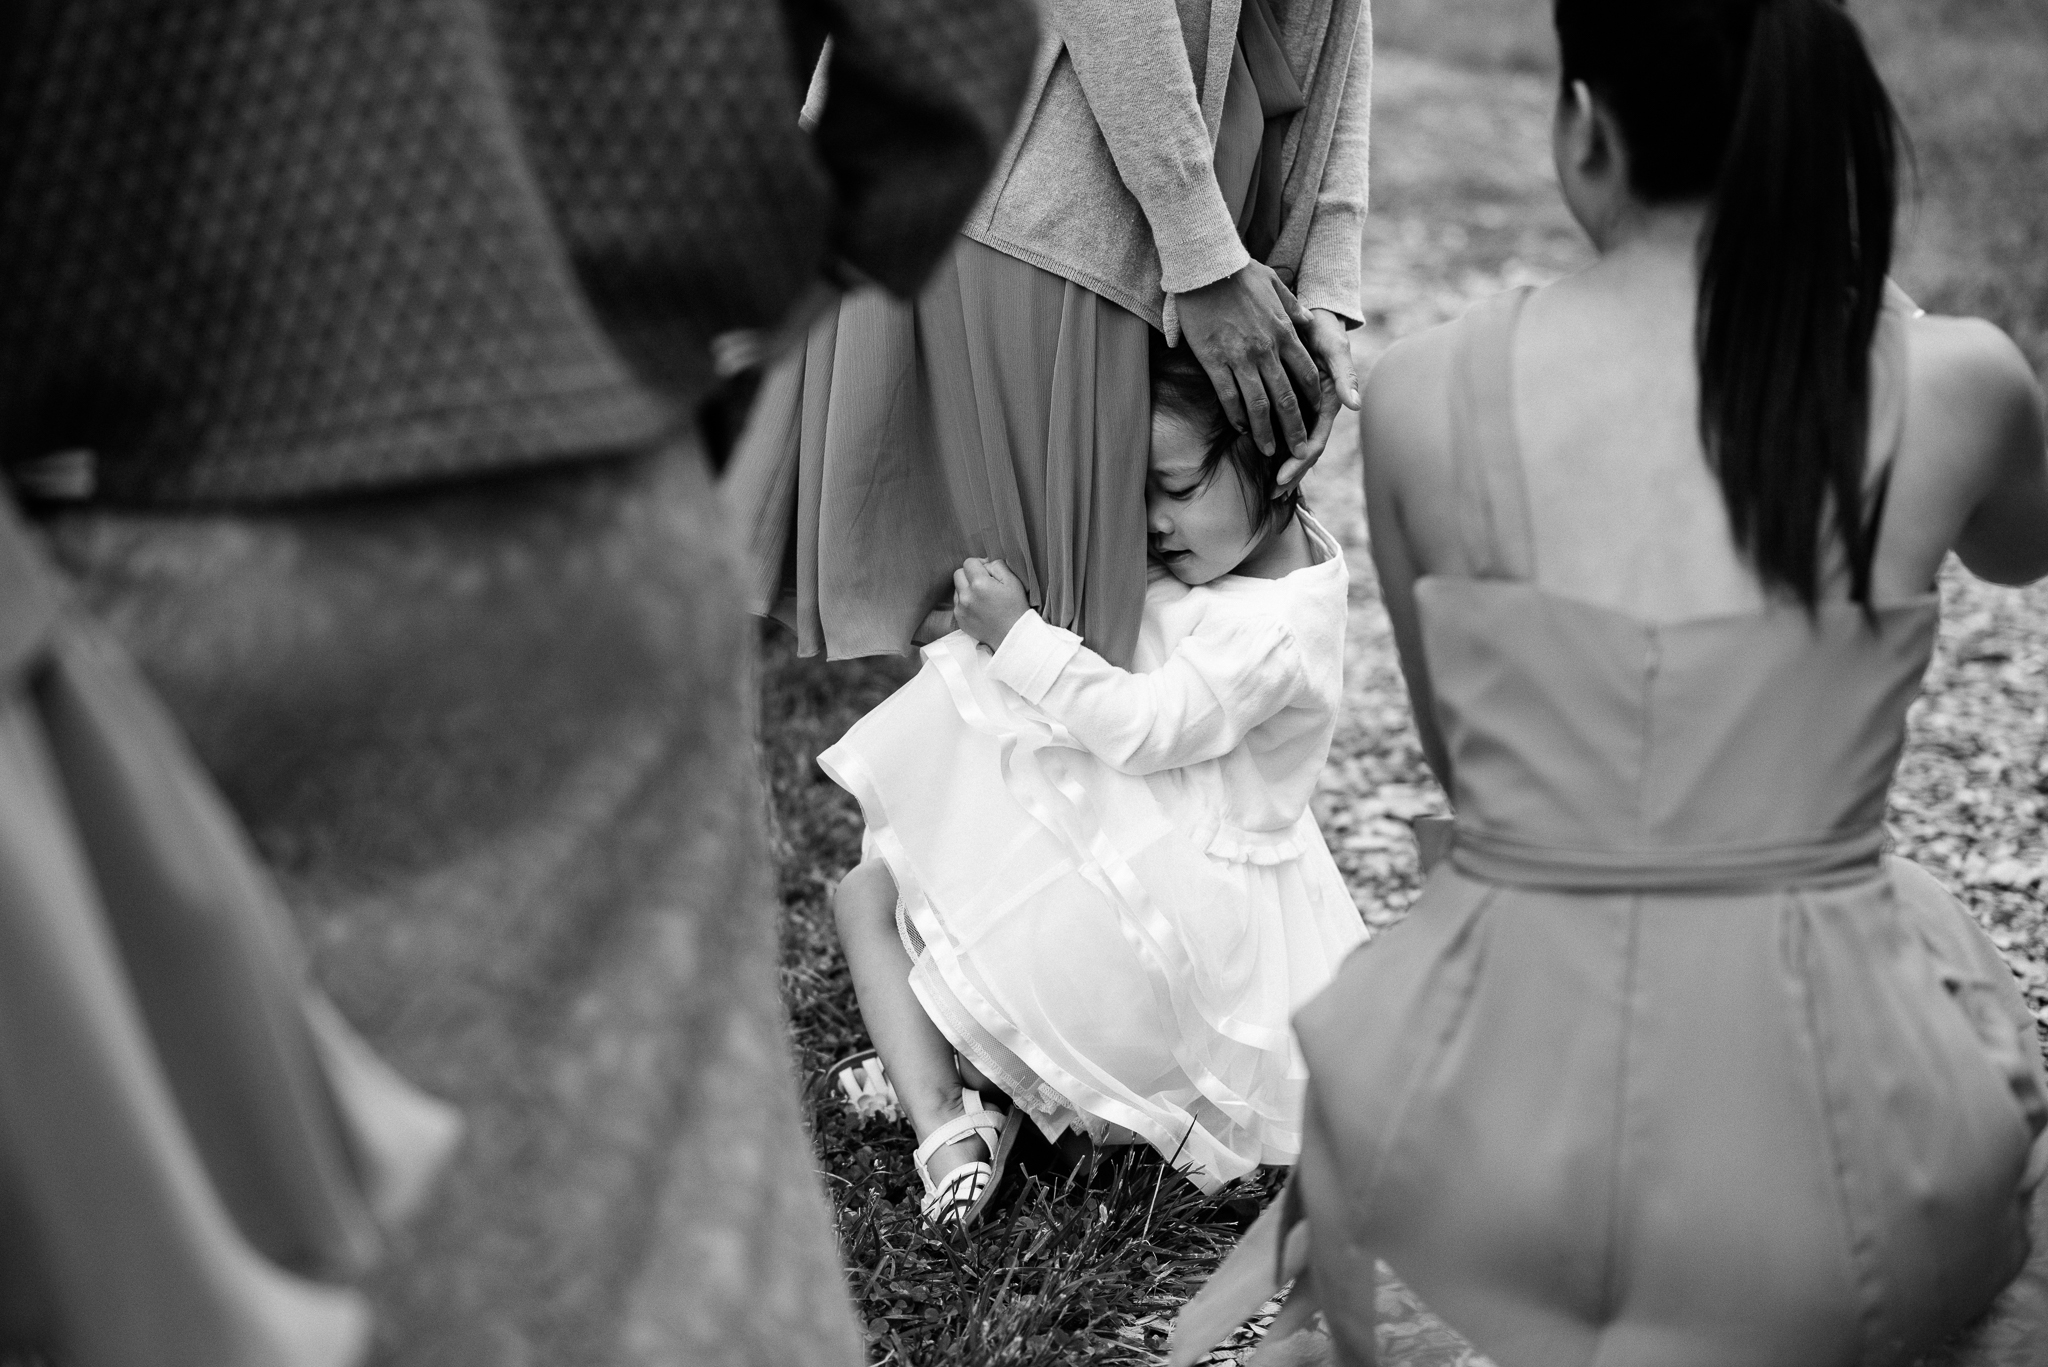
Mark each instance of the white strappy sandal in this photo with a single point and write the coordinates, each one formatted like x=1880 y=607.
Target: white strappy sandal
x=862 y=1085
x=960 y=1196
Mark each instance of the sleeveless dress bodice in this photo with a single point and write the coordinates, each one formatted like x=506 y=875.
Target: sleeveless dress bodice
x=1592 y=750
x=1595 y=750
x=1670 y=1063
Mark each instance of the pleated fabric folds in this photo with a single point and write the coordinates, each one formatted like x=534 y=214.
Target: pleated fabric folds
x=1004 y=413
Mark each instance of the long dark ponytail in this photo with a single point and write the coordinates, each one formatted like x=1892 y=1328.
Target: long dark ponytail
x=1773 y=109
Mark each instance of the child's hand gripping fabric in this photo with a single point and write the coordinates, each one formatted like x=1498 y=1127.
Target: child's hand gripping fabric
x=988 y=599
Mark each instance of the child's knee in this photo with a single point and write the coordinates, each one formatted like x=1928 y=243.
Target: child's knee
x=865 y=900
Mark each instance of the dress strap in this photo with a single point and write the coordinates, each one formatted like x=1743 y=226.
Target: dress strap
x=1493 y=502
x=1887 y=405
x=1888 y=386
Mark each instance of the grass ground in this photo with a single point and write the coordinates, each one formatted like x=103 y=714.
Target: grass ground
x=1463 y=205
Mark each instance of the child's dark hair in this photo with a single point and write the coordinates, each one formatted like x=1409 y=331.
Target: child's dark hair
x=1182 y=388
x=1772 y=111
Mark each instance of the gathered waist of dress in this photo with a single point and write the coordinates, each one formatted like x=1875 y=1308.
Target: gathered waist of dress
x=1823 y=861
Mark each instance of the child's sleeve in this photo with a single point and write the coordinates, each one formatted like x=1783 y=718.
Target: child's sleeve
x=1218 y=684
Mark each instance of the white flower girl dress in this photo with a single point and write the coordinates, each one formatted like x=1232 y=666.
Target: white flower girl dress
x=1112 y=888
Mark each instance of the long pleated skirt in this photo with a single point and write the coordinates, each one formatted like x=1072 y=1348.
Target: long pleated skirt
x=1004 y=413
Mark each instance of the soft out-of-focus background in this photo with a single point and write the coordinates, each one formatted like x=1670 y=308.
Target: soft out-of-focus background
x=1463 y=205
x=1969 y=78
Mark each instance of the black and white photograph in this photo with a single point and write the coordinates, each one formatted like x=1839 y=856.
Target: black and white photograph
x=1010 y=683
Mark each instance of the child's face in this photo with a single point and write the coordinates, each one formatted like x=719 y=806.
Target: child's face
x=1198 y=530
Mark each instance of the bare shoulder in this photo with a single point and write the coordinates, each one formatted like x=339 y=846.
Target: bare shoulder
x=1404 y=423
x=1421 y=360
x=1975 y=453
x=1970 y=353
x=1404 y=429
x=1972 y=390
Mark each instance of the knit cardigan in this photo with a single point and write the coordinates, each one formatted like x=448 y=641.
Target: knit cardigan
x=1109 y=181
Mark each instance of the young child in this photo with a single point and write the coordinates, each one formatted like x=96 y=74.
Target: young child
x=1103 y=889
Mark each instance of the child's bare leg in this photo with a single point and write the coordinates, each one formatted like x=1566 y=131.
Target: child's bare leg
x=918 y=1057
x=972 y=1075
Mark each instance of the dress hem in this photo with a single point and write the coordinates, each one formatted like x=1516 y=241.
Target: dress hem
x=1213 y=1163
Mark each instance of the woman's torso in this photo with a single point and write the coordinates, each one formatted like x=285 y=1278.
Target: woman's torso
x=1621 y=703
x=1623 y=508
x=1668 y=1060
x=1060 y=200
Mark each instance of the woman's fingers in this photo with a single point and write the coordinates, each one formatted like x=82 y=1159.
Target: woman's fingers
x=1286 y=408
x=1282 y=364
x=1333 y=346
x=1303 y=366
x=1305 y=370
x=1299 y=315
x=1246 y=331
x=1225 y=381
x=1309 y=452
x=1293 y=471
x=1329 y=403
x=1336 y=390
x=1248 y=387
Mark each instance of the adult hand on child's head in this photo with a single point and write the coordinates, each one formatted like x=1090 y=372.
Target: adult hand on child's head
x=1246 y=329
x=988 y=598
x=1337 y=390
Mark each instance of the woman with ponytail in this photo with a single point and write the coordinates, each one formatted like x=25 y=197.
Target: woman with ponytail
x=1671 y=1065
